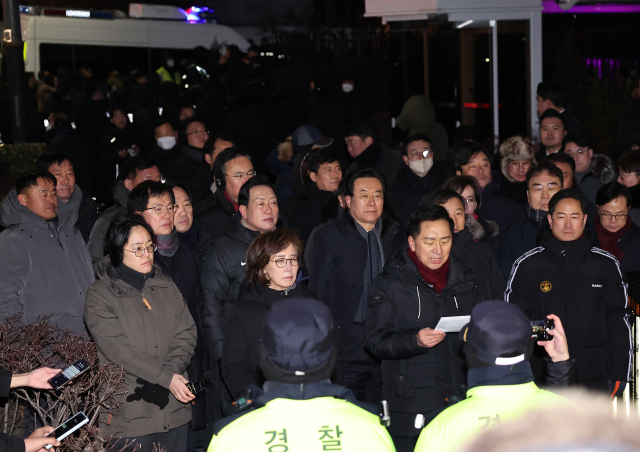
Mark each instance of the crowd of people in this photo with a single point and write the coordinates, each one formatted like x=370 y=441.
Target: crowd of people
x=275 y=311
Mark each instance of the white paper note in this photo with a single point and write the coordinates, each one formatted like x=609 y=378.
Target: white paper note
x=452 y=324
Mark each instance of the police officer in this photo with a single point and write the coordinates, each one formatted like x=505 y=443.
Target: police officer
x=300 y=409
x=497 y=345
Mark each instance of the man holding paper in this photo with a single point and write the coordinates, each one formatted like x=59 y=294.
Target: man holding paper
x=423 y=369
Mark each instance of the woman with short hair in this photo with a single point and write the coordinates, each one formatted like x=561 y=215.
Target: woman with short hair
x=273 y=264
x=140 y=322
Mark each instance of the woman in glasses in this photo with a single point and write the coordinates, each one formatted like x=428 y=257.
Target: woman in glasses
x=156 y=203
x=273 y=263
x=140 y=322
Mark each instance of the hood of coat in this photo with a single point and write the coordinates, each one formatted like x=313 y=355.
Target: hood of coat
x=120 y=194
x=71 y=208
x=12 y=212
x=473 y=227
x=602 y=167
x=124 y=289
x=417 y=110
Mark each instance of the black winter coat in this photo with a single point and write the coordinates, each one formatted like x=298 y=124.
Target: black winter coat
x=583 y=286
x=335 y=259
x=182 y=269
x=384 y=160
x=416 y=379
x=409 y=188
x=224 y=269
x=240 y=366
x=304 y=213
x=214 y=214
x=497 y=207
x=483 y=263
x=517 y=240
x=191 y=169
x=164 y=159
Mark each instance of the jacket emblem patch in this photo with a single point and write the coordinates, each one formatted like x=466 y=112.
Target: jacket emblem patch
x=545 y=286
x=596 y=285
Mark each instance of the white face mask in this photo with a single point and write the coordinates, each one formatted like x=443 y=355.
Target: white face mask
x=347 y=87
x=171 y=63
x=421 y=167
x=166 y=143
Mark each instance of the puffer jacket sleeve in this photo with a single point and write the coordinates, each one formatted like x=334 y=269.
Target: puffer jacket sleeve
x=215 y=285
x=561 y=373
x=185 y=336
x=381 y=339
x=13 y=270
x=516 y=289
x=95 y=245
x=113 y=343
x=619 y=344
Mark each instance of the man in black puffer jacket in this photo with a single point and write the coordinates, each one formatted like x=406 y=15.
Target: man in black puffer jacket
x=584 y=287
x=422 y=369
x=224 y=266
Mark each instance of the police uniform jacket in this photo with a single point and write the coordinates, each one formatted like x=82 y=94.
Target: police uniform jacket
x=584 y=287
x=315 y=416
x=417 y=379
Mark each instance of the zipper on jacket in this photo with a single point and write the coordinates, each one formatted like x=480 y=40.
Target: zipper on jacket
x=419 y=303
x=456 y=302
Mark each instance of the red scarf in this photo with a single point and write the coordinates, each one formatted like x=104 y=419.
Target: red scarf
x=609 y=240
x=435 y=278
x=230 y=199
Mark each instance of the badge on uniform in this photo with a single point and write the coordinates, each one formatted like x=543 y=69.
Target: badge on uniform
x=545 y=286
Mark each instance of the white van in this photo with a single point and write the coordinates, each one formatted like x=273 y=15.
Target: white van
x=72 y=38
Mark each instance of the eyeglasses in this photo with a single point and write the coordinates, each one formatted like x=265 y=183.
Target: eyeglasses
x=608 y=216
x=160 y=209
x=366 y=198
x=282 y=263
x=196 y=132
x=241 y=175
x=578 y=151
x=139 y=251
x=419 y=154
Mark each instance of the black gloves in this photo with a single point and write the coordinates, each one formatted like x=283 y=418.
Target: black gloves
x=150 y=393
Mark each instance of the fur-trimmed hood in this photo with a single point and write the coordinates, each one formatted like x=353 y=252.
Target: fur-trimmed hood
x=602 y=167
x=478 y=231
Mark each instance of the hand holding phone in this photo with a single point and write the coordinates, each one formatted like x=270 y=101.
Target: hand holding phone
x=71 y=372
x=39 y=439
x=68 y=427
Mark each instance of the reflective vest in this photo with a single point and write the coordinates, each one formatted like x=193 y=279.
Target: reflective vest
x=484 y=407
x=322 y=423
x=165 y=76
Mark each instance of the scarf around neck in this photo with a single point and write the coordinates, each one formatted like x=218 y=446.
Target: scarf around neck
x=372 y=268
x=435 y=278
x=168 y=243
x=609 y=240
